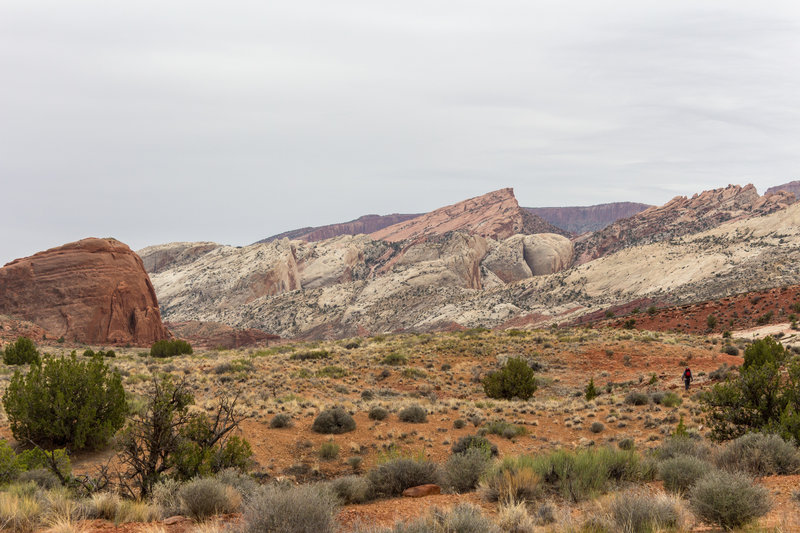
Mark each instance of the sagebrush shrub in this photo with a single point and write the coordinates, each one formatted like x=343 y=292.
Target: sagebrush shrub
x=281 y=420
x=22 y=352
x=760 y=454
x=504 y=429
x=296 y=509
x=681 y=472
x=204 y=497
x=394 y=476
x=514 y=380
x=352 y=489
x=637 y=398
x=635 y=511
x=244 y=484
x=333 y=421
x=64 y=401
x=377 y=413
x=729 y=500
x=413 y=413
x=682 y=445
x=462 y=471
x=474 y=441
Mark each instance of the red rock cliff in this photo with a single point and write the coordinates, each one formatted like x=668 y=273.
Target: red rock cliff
x=94 y=291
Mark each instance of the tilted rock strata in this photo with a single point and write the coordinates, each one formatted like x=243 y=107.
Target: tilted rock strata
x=792 y=187
x=495 y=215
x=365 y=224
x=680 y=216
x=94 y=291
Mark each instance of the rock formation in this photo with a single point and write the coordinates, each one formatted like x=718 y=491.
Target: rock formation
x=580 y=219
x=214 y=335
x=94 y=291
x=366 y=224
x=792 y=187
x=495 y=215
x=680 y=216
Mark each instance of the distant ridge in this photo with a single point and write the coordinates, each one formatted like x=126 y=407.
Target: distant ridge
x=580 y=219
x=365 y=224
x=792 y=187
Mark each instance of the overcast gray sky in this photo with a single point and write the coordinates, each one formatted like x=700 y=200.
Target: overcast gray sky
x=154 y=121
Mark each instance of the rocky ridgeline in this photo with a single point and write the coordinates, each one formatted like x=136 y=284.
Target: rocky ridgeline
x=680 y=216
x=366 y=224
x=792 y=187
x=93 y=291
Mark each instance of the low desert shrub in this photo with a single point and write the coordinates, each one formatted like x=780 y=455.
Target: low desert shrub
x=103 y=505
x=514 y=380
x=760 y=454
x=21 y=352
x=463 y=518
x=680 y=446
x=637 y=398
x=641 y=512
x=729 y=500
x=165 y=496
x=281 y=420
x=352 y=489
x=311 y=355
x=331 y=372
x=459 y=423
x=474 y=441
x=377 y=413
x=513 y=517
x=730 y=349
x=333 y=421
x=204 y=497
x=170 y=348
x=413 y=413
x=681 y=472
x=244 y=484
x=296 y=509
x=504 y=429
x=396 y=475
x=394 y=359
x=626 y=444
x=597 y=427
x=462 y=471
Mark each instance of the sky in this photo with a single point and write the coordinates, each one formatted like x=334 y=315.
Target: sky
x=155 y=122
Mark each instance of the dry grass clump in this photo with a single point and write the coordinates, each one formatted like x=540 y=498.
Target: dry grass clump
x=635 y=511
x=512 y=480
x=352 y=489
x=513 y=517
x=396 y=475
x=19 y=513
x=462 y=471
x=463 y=518
x=137 y=511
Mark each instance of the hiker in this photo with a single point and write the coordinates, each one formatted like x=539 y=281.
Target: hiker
x=687 y=377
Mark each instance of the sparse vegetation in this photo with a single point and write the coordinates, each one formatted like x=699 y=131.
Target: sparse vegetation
x=413 y=413
x=170 y=348
x=729 y=500
x=21 y=352
x=333 y=421
x=396 y=475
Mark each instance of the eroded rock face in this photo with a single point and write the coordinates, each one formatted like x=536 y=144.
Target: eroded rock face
x=495 y=215
x=523 y=256
x=681 y=216
x=94 y=291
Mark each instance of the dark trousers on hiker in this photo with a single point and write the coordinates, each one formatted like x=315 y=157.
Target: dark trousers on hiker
x=686 y=382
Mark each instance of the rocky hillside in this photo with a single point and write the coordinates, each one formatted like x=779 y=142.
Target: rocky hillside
x=93 y=291
x=680 y=216
x=366 y=224
x=792 y=187
x=495 y=215
x=580 y=219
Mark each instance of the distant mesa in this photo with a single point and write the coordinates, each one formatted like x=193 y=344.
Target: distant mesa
x=366 y=224
x=580 y=219
x=495 y=215
x=94 y=291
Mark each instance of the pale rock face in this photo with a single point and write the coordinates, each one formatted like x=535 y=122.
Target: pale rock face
x=547 y=253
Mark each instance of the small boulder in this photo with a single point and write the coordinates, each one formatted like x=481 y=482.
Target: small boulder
x=421 y=491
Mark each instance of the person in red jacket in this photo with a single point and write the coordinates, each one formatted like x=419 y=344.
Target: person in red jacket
x=687 y=377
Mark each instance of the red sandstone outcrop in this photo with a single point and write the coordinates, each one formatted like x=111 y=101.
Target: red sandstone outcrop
x=792 y=187
x=495 y=215
x=366 y=224
x=580 y=219
x=421 y=491
x=94 y=291
x=681 y=216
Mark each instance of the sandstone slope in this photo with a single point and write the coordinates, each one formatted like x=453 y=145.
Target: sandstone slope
x=580 y=219
x=93 y=291
x=495 y=215
x=680 y=216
